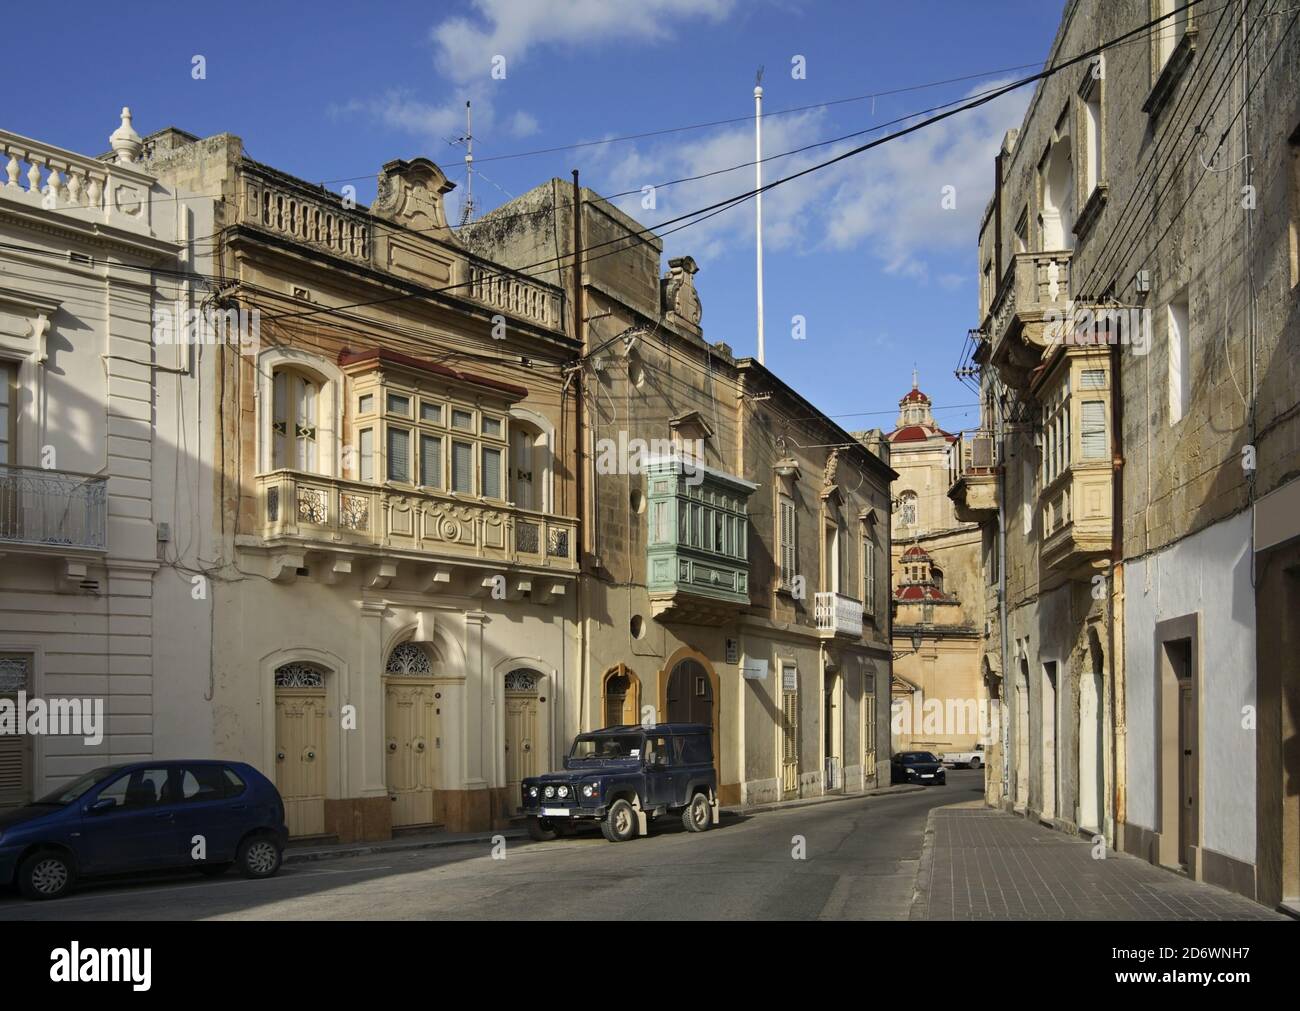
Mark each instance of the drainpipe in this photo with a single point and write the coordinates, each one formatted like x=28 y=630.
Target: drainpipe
x=579 y=473
x=1007 y=787
x=1116 y=624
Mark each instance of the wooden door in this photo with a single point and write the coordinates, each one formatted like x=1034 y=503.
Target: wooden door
x=300 y=759
x=520 y=742
x=1187 y=778
x=521 y=466
x=790 y=743
x=412 y=722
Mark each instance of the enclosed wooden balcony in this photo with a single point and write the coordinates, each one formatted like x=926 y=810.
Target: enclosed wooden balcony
x=973 y=477
x=1075 y=510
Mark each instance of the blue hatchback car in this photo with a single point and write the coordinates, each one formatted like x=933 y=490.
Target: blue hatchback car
x=144 y=816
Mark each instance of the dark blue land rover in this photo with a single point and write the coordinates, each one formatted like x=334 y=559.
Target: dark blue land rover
x=623 y=777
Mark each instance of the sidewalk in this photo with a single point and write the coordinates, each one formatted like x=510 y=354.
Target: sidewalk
x=981 y=864
x=437 y=838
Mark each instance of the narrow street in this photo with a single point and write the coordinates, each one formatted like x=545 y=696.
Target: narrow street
x=860 y=861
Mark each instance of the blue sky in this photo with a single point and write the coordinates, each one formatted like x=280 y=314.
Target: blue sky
x=884 y=276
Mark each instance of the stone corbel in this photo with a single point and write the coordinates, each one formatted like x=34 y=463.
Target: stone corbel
x=550 y=591
x=283 y=568
x=338 y=567
x=71 y=576
x=438 y=580
x=383 y=574
x=519 y=589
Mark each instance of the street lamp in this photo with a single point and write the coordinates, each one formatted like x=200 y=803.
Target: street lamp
x=917 y=640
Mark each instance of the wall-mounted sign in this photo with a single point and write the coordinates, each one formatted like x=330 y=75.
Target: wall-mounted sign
x=733 y=651
x=754 y=668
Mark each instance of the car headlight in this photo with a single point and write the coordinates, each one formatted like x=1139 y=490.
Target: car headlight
x=564 y=791
x=588 y=790
x=550 y=791
x=532 y=791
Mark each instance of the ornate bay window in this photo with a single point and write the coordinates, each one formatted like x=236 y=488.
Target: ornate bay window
x=423 y=474
x=428 y=431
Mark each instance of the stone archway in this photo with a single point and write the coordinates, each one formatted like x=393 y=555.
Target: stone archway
x=621 y=696
x=688 y=693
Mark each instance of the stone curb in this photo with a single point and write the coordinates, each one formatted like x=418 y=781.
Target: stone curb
x=920 y=909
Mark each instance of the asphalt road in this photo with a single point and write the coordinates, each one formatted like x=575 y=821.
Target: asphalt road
x=850 y=859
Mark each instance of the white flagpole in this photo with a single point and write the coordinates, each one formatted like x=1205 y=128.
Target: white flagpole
x=758 y=201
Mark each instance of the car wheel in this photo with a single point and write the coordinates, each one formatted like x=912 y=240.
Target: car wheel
x=620 y=823
x=974 y=763
x=46 y=875
x=213 y=870
x=259 y=857
x=698 y=814
x=539 y=829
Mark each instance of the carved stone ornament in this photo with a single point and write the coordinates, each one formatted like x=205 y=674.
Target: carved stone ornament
x=410 y=193
x=679 y=296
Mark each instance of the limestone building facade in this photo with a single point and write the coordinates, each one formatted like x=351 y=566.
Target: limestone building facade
x=1136 y=347
x=738 y=573
x=940 y=702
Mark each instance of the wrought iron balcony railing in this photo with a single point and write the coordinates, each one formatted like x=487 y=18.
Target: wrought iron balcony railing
x=53 y=508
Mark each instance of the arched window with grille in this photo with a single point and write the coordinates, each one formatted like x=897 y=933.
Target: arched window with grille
x=409 y=659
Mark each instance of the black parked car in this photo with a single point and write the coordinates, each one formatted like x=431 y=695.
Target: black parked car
x=624 y=777
x=917 y=767
x=144 y=816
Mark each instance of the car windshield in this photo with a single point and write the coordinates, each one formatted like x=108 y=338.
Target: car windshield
x=607 y=747
x=915 y=757
x=72 y=791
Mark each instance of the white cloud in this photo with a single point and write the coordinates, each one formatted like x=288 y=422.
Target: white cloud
x=466 y=46
x=523 y=124
x=887 y=200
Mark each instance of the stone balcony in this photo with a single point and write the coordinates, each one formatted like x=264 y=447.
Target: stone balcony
x=1036 y=286
x=838 y=616
x=1075 y=511
x=436 y=539
x=973 y=478
x=407 y=247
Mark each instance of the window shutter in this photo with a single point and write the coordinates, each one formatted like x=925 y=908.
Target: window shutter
x=1092 y=432
x=430 y=461
x=399 y=454
x=462 y=467
x=491 y=473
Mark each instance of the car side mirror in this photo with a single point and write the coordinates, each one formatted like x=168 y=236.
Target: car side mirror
x=102 y=804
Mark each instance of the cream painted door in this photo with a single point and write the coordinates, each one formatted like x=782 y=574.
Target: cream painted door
x=300 y=760
x=521 y=742
x=414 y=738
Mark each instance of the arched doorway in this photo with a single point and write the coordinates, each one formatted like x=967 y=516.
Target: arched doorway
x=690 y=695
x=300 y=755
x=622 y=695
x=521 y=732
x=413 y=735
x=1057 y=215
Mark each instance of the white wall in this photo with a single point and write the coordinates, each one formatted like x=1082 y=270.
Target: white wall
x=1207 y=573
